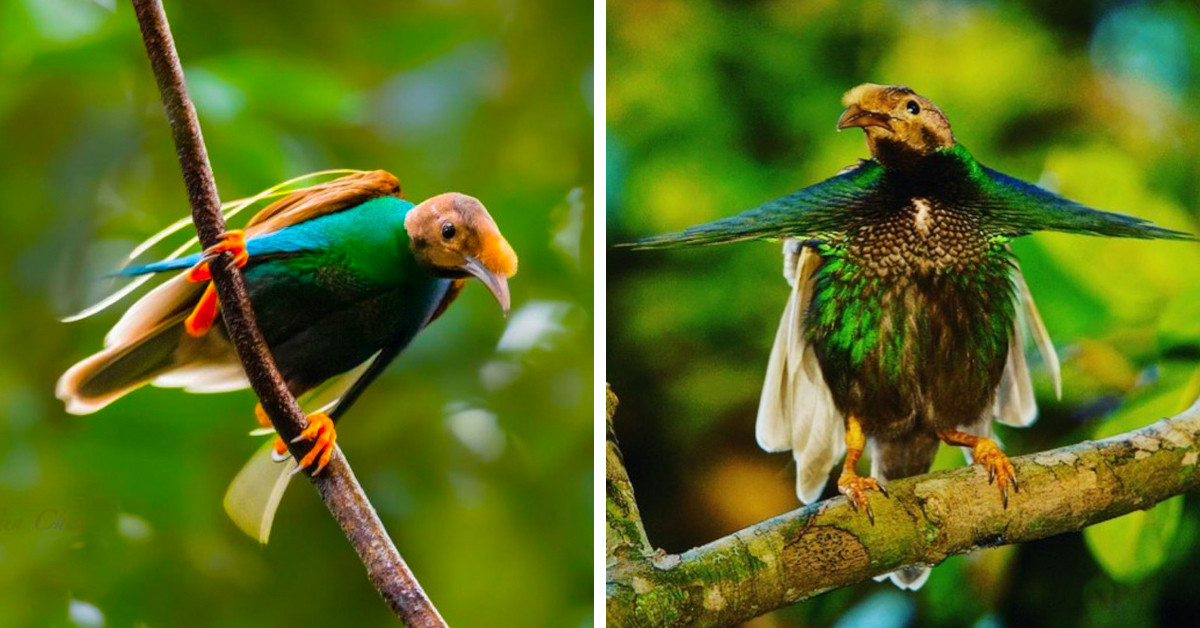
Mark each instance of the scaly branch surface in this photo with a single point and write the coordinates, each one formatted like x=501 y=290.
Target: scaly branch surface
x=337 y=485
x=828 y=545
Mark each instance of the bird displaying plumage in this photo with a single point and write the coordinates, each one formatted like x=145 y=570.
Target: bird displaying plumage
x=340 y=275
x=908 y=316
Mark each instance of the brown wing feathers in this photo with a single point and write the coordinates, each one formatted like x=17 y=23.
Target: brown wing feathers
x=325 y=198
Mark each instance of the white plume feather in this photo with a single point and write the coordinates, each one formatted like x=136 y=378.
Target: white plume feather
x=796 y=409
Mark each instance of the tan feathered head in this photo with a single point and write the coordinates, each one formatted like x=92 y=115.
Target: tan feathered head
x=453 y=235
x=900 y=124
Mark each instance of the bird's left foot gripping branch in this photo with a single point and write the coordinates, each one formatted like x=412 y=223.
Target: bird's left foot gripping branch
x=342 y=276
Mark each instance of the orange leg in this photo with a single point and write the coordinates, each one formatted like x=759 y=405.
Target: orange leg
x=850 y=483
x=205 y=313
x=279 y=446
x=260 y=415
x=320 y=427
x=986 y=452
x=320 y=430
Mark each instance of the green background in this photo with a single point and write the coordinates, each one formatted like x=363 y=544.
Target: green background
x=477 y=452
x=714 y=107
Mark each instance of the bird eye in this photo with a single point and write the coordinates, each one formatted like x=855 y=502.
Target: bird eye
x=448 y=231
x=913 y=107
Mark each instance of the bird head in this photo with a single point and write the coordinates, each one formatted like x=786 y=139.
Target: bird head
x=453 y=235
x=900 y=124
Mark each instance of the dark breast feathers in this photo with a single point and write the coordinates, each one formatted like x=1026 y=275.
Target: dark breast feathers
x=911 y=316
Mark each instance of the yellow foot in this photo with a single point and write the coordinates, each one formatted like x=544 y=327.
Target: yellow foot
x=205 y=313
x=1000 y=470
x=320 y=431
x=855 y=488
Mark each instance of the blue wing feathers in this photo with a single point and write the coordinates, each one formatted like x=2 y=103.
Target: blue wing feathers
x=288 y=240
x=159 y=267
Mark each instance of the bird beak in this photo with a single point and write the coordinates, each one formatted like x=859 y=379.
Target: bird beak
x=497 y=284
x=855 y=116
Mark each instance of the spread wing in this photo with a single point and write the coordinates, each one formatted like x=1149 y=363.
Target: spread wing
x=1016 y=208
x=830 y=205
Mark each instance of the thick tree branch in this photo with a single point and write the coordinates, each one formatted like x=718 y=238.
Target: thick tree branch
x=928 y=518
x=625 y=535
x=337 y=484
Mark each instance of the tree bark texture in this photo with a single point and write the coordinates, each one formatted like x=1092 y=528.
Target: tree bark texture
x=928 y=518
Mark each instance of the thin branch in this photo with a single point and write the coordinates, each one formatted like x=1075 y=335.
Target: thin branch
x=337 y=484
x=928 y=518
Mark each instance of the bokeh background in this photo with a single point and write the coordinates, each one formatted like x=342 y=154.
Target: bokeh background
x=714 y=107
x=476 y=446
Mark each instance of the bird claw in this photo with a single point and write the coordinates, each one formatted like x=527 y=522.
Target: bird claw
x=279 y=450
x=232 y=242
x=320 y=430
x=855 y=488
x=204 y=314
x=1000 y=469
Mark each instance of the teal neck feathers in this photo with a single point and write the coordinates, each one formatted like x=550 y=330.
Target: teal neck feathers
x=369 y=241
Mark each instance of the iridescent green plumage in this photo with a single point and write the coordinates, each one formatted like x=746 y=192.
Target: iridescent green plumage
x=908 y=313
x=341 y=275
x=1003 y=205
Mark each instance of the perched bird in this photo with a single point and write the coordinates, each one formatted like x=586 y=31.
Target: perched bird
x=905 y=327
x=340 y=274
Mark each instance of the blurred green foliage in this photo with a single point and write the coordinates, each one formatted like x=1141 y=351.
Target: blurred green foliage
x=476 y=450
x=715 y=107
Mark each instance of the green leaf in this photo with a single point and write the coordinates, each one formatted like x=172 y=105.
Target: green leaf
x=1178 y=326
x=1134 y=546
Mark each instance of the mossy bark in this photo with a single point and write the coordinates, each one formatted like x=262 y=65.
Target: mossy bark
x=928 y=518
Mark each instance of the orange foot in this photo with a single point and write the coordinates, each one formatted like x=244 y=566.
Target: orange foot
x=1000 y=469
x=320 y=427
x=855 y=488
x=260 y=415
x=279 y=447
x=205 y=313
x=320 y=430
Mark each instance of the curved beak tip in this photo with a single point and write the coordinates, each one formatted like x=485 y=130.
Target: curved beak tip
x=855 y=116
x=502 y=297
x=496 y=284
